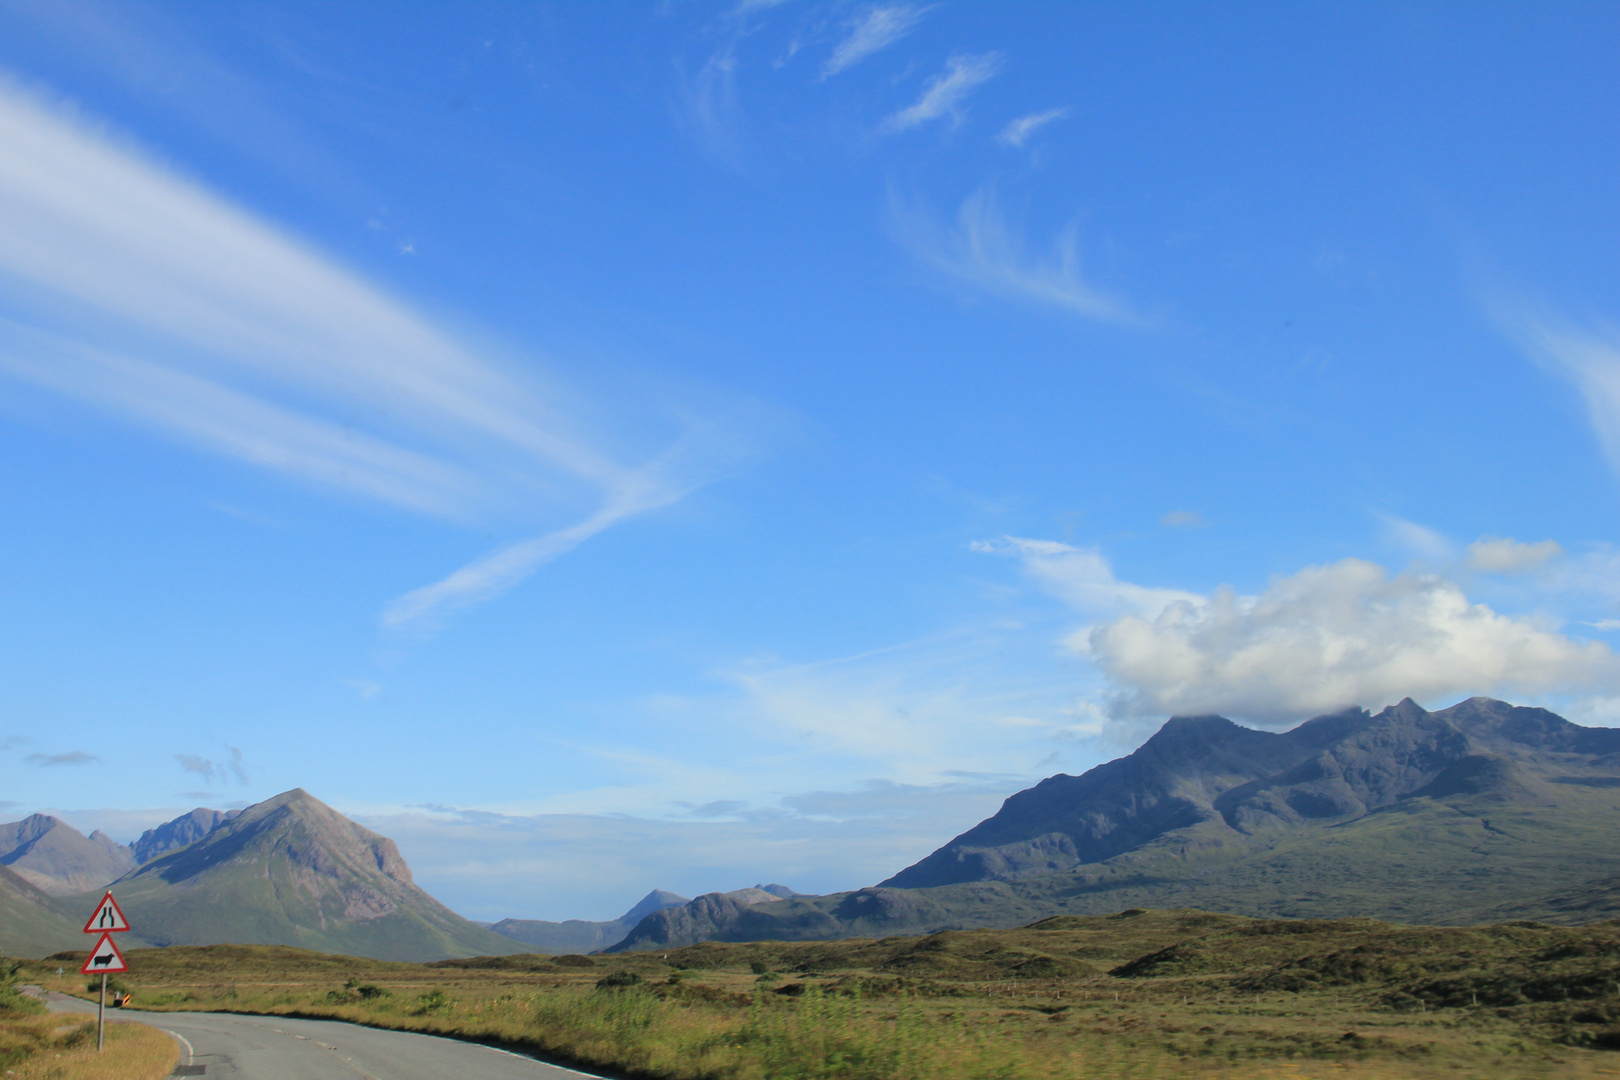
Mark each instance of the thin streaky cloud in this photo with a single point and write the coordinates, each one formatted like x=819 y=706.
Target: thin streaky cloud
x=981 y=249
x=213 y=417
x=137 y=291
x=1589 y=358
x=875 y=30
x=945 y=91
x=1018 y=131
x=708 y=108
x=123 y=239
x=72 y=757
x=1418 y=540
x=695 y=459
x=495 y=573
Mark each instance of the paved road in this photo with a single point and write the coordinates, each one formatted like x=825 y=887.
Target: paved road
x=235 y=1047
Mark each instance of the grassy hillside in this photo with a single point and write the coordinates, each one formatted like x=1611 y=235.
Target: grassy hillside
x=1165 y=994
x=32 y=923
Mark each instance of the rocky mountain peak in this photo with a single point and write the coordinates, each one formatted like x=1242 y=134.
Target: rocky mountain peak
x=58 y=859
x=1208 y=781
x=292 y=871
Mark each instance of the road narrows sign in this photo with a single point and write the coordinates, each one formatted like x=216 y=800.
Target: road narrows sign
x=104 y=959
x=107 y=919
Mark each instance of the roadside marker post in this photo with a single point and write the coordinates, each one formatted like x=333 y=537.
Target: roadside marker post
x=107 y=920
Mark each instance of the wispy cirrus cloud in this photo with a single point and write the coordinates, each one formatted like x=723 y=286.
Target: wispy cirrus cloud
x=1589 y=357
x=709 y=109
x=874 y=30
x=500 y=570
x=945 y=91
x=1018 y=131
x=137 y=291
x=981 y=249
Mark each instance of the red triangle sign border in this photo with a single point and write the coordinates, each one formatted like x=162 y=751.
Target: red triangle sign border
x=107 y=907
x=114 y=964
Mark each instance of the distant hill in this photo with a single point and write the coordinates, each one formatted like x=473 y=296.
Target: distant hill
x=293 y=871
x=58 y=859
x=33 y=923
x=582 y=936
x=183 y=831
x=1471 y=814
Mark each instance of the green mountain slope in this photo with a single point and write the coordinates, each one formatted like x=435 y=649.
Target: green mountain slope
x=32 y=923
x=1477 y=813
x=293 y=871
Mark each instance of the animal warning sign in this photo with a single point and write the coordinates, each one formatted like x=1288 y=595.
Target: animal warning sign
x=104 y=958
x=107 y=919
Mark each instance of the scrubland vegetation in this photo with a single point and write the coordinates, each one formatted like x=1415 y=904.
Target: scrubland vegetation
x=1139 y=994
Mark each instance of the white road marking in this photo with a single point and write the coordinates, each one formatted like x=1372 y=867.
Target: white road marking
x=190 y=1052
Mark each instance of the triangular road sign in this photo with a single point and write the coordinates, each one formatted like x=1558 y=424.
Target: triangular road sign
x=104 y=958
x=108 y=918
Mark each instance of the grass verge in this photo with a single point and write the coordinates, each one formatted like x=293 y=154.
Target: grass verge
x=62 y=1046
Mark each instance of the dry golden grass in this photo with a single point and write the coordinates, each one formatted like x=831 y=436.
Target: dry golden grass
x=1140 y=996
x=62 y=1046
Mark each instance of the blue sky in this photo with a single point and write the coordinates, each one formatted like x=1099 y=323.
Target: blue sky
x=609 y=447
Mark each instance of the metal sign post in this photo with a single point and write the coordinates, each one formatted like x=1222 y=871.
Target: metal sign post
x=107 y=920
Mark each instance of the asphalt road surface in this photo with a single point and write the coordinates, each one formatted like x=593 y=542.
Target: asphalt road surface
x=236 y=1047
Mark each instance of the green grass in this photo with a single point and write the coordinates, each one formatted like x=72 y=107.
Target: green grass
x=1163 y=994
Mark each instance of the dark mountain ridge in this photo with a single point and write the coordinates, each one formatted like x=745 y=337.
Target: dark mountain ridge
x=1474 y=813
x=183 y=831
x=1232 y=784
x=584 y=935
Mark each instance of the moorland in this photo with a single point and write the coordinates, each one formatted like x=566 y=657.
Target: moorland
x=1163 y=994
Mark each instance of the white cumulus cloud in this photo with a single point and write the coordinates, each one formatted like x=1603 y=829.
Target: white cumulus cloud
x=1343 y=634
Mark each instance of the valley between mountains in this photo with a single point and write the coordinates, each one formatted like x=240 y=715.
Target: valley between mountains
x=1482 y=812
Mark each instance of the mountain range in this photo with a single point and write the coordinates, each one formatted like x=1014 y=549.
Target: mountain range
x=286 y=871
x=1481 y=812
x=59 y=860
x=580 y=935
